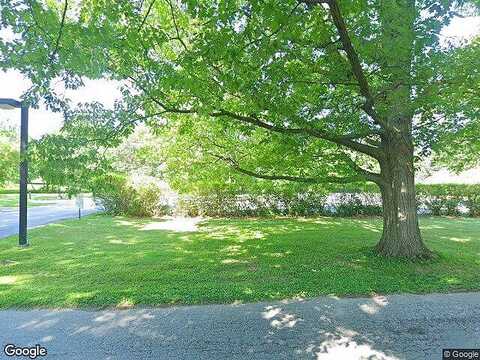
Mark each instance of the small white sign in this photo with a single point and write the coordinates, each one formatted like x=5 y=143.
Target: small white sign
x=79 y=201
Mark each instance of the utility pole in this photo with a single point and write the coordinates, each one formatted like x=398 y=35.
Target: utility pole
x=23 y=241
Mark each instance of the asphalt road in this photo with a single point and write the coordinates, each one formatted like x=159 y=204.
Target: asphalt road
x=39 y=215
x=392 y=327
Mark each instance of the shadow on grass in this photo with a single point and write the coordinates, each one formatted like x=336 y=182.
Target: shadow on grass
x=101 y=261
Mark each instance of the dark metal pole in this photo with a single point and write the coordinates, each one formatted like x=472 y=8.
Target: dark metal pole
x=23 y=241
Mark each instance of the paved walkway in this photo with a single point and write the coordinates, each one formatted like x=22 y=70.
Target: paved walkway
x=392 y=327
x=39 y=215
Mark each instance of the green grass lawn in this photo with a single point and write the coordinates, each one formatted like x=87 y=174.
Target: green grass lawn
x=103 y=261
x=8 y=202
x=11 y=200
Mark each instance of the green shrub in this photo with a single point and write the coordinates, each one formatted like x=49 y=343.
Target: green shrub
x=446 y=199
x=437 y=199
x=352 y=200
x=235 y=205
x=472 y=199
x=348 y=204
x=119 y=197
x=307 y=204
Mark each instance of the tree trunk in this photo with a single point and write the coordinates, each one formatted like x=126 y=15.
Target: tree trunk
x=401 y=235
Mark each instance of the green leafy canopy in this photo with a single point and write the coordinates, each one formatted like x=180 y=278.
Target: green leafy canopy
x=295 y=90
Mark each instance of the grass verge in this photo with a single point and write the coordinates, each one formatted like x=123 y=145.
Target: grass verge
x=101 y=261
x=11 y=200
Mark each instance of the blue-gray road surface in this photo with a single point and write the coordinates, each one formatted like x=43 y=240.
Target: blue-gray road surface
x=39 y=215
x=392 y=327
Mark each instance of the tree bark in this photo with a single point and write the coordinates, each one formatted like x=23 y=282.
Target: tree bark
x=401 y=234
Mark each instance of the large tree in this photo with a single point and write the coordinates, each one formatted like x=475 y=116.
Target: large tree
x=309 y=91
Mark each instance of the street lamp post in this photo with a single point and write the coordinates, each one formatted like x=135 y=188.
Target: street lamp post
x=22 y=223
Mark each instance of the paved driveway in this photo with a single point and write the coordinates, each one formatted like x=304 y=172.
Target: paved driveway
x=391 y=327
x=40 y=215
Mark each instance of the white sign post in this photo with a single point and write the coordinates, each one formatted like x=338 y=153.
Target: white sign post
x=80 y=204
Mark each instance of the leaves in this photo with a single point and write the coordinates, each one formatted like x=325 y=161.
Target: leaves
x=285 y=64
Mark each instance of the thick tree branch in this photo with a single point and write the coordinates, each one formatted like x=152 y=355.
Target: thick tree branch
x=179 y=38
x=353 y=59
x=352 y=56
x=163 y=105
x=308 y=180
x=346 y=140
x=60 y=31
x=371 y=176
x=146 y=15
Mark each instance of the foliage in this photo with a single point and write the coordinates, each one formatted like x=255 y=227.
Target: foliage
x=9 y=156
x=345 y=201
x=356 y=204
x=9 y=161
x=222 y=78
x=72 y=162
x=434 y=199
x=279 y=203
x=140 y=154
x=308 y=91
x=437 y=199
x=446 y=199
x=103 y=261
x=119 y=197
x=458 y=146
x=245 y=205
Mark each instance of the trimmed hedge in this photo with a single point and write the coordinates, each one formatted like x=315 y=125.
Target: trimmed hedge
x=304 y=204
x=450 y=199
x=119 y=197
x=231 y=205
x=364 y=200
